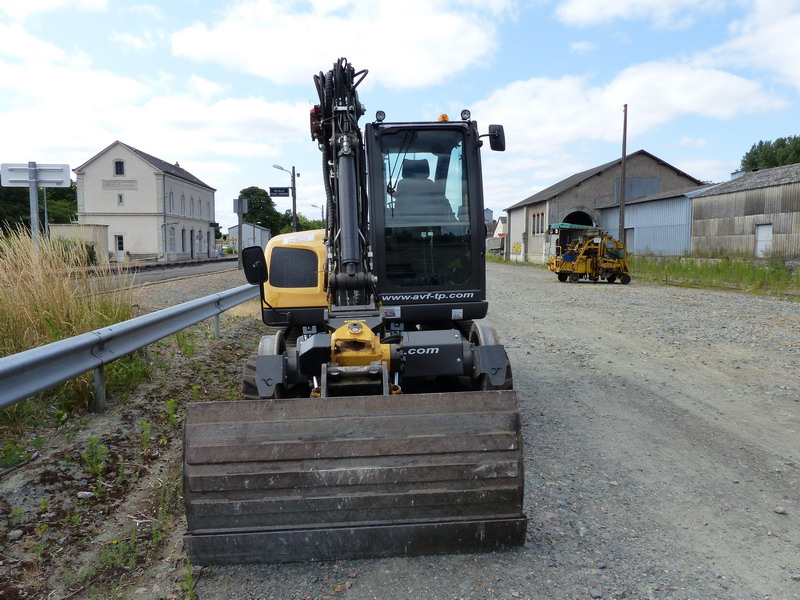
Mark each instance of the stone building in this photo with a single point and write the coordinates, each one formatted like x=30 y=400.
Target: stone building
x=153 y=209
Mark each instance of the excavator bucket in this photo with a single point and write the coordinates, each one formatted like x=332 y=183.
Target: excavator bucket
x=352 y=477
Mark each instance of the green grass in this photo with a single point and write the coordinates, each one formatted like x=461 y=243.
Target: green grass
x=771 y=276
x=498 y=259
x=765 y=277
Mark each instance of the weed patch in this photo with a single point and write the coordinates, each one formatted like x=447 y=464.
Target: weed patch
x=772 y=276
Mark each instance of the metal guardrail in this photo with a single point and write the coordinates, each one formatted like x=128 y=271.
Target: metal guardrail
x=27 y=373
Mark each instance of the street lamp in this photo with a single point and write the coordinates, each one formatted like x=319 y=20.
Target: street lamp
x=294 y=194
x=321 y=211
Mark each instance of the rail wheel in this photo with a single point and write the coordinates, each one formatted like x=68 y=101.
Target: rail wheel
x=625 y=279
x=270 y=345
x=562 y=277
x=482 y=335
x=574 y=278
x=611 y=278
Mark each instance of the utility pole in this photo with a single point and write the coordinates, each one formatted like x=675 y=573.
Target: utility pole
x=294 y=193
x=294 y=202
x=622 y=177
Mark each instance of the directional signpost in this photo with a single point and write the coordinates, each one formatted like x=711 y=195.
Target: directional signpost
x=34 y=176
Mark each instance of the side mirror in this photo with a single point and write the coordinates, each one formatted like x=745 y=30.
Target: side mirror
x=255 y=264
x=497 y=138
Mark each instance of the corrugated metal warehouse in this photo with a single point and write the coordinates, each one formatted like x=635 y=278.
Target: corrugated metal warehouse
x=754 y=214
x=660 y=224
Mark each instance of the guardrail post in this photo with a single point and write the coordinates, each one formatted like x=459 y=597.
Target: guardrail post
x=216 y=327
x=99 y=377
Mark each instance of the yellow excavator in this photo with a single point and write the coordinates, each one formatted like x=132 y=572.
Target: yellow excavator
x=379 y=417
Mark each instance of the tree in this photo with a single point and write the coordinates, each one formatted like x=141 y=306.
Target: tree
x=62 y=205
x=783 y=151
x=261 y=210
x=303 y=223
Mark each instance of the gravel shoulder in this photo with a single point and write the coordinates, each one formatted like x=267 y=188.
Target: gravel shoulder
x=662 y=448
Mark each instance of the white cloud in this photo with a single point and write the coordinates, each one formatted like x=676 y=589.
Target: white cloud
x=136 y=43
x=669 y=14
x=583 y=47
x=410 y=44
x=552 y=123
x=147 y=10
x=662 y=91
x=765 y=39
x=15 y=42
x=715 y=170
x=20 y=10
x=204 y=88
x=692 y=142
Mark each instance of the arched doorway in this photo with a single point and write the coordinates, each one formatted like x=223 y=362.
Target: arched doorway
x=581 y=220
x=579 y=217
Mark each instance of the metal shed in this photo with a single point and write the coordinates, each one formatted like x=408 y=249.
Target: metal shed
x=659 y=224
x=755 y=214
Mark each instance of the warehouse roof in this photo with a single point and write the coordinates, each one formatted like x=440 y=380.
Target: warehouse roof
x=578 y=178
x=756 y=179
x=689 y=192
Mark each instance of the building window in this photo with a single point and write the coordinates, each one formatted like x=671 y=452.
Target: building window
x=171 y=203
x=119 y=167
x=120 y=200
x=208 y=211
x=119 y=243
x=537 y=223
x=191 y=207
x=183 y=240
x=183 y=205
x=172 y=239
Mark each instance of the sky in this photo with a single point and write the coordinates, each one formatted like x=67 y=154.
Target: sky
x=225 y=87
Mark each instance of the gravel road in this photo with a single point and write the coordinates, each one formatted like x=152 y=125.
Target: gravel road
x=662 y=451
x=662 y=432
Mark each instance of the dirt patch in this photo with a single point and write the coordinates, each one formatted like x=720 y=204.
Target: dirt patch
x=99 y=513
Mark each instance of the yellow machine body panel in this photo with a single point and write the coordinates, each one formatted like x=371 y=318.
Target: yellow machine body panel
x=296 y=265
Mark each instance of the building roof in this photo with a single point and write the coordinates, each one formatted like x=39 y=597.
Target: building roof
x=689 y=192
x=247 y=224
x=578 y=178
x=756 y=179
x=170 y=169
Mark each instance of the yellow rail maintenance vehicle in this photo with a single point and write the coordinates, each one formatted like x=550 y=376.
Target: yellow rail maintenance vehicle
x=585 y=252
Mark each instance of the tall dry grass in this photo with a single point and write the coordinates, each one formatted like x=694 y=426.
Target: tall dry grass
x=53 y=292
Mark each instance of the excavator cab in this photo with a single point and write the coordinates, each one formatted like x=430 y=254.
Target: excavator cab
x=427 y=216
